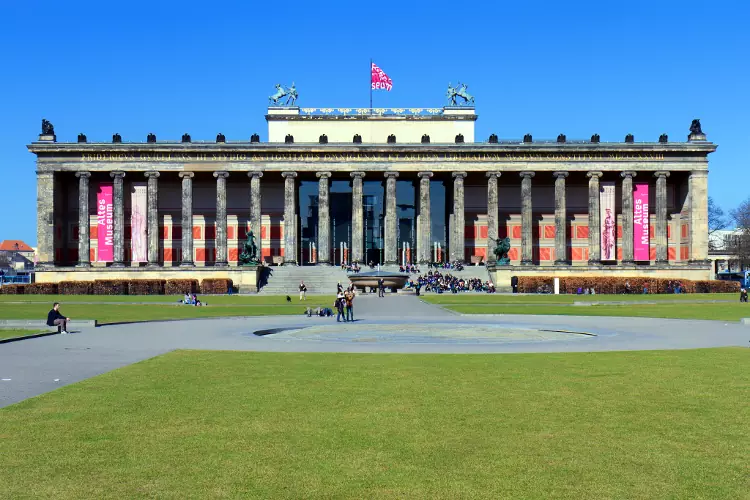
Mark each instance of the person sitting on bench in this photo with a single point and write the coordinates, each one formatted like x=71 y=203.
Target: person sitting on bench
x=55 y=318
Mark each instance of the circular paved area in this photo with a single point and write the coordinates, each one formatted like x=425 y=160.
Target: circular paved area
x=395 y=324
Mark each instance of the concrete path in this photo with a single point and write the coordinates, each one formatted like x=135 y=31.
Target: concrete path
x=40 y=365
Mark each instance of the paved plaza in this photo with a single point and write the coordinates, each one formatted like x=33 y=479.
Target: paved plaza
x=395 y=324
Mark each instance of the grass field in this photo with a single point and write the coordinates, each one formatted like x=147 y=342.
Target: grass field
x=9 y=333
x=116 y=309
x=190 y=424
x=723 y=307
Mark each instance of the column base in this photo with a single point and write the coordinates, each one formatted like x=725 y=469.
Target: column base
x=595 y=262
x=323 y=264
x=562 y=263
x=698 y=262
x=527 y=262
x=662 y=262
x=83 y=265
x=152 y=265
x=288 y=263
x=187 y=263
x=221 y=264
x=118 y=264
x=627 y=263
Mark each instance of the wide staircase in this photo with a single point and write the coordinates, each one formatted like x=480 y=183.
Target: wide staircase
x=284 y=280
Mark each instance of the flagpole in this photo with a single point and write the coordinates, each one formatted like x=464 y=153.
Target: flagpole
x=371 y=85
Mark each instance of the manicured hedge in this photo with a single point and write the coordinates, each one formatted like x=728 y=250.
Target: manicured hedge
x=612 y=285
x=216 y=286
x=75 y=287
x=12 y=289
x=41 y=289
x=146 y=287
x=111 y=287
x=181 y=287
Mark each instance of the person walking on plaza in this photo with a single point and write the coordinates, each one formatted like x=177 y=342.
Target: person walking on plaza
x=302 y=291
x=349 y=303
x=381 y=287
x=339 y=304
x=743 y=294
x=55 y=318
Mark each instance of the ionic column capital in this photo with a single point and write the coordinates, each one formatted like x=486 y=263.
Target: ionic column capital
x=322 y=175
x=289 y=175
x=459 y=175
x=83 y=174
x=357 y=175
x=628 y=174
x=425 y=175
x=661 y=173
x=560 y=175
x=221 y=174
x=255 y=173
x=526 y=174
x=594 y=174
x=152 y=173
x=390 y=174
x=493 y=174
x=186 y=175
x=118 y=174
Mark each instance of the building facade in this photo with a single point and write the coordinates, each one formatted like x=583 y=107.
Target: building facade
x=388 y=186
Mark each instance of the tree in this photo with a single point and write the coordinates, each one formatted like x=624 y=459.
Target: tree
x=716 y=219
x=739 y=244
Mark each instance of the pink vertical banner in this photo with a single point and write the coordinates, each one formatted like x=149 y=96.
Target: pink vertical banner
x=640 y=221
x=138 y=207
x=105 y=233
x=608 y=220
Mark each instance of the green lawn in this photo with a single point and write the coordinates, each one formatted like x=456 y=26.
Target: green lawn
x=190 y=424
x=724 y=307
x=9 y=333
x=93 y=307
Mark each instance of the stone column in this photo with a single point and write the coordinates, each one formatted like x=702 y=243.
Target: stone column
x=492 y=217
x=661 y=217
x=187 y=219
x=595 y=236
x=391 y=219
x=561 y=251
x=290 y=218
x=45 y=219
x=698 y=216
x=627 y=217
x=357 y=217
x=221 y=218
x=527 y=222
x=153 y=217
x=84 y=242
x=459 y=220
x=324 y=219
x=255 y=213
x=118 y=247
x=425 y=233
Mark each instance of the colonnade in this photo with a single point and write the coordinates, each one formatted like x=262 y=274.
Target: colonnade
x=697 y=206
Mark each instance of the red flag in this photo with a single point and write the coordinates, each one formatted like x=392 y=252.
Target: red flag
x=380 y=81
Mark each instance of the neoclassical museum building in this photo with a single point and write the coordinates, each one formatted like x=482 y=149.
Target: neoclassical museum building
x=387 y=186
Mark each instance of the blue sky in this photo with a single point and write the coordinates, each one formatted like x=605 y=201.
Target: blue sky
x=613 y=68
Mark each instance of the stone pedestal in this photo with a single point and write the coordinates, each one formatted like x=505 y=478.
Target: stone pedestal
x=187 y=219
x=118 y=246
x=221 y=218
x=527 y=222
x=391 y=219
x=84 y=241
x=153 y=218
x=492 y=217
x=561 y=257
x=459 y=220
x=424 y=231
x=595 y=235
x=255 y=213
x=627 y=217
x=357 y=217
x=324 y=219
x=290 y=218
x=661 y=217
